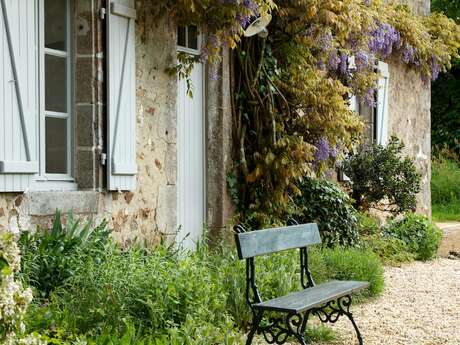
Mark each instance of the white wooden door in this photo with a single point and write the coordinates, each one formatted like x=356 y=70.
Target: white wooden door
x=190 y=152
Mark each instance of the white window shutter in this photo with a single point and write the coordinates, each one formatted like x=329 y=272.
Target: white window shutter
x=19 y=106
x=121 y=95
x=382 y=106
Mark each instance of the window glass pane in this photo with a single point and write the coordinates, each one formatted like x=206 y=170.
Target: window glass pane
x=56 y=24
x=193 y=37
x=181 y=36
x=56 y=145
x=55 y=84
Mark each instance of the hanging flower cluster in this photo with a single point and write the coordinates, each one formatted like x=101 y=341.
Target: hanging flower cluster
x=14 y=299
x=223 y=20
x=292 y=116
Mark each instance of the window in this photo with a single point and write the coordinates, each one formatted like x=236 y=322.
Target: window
x=37 y=140
x=375 y=117
x=368 y=115
x=55 y=90
x=188 y=39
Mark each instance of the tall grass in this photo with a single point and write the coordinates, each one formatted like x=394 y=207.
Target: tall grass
x=445 y=187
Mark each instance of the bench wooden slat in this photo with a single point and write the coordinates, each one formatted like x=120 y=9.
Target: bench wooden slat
x=300 y=301
x=254 y=243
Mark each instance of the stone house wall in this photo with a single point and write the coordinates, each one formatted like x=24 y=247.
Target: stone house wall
x=410 y=116
x=149 y=212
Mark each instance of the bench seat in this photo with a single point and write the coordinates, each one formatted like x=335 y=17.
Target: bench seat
x=309 y=298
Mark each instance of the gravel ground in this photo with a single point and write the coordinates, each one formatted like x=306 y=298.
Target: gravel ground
x=420 y=306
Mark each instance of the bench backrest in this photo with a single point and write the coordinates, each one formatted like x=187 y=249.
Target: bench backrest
x=260 y=242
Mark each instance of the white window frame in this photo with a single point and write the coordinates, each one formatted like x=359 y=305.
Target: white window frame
x=186 y=49
x=49 y=181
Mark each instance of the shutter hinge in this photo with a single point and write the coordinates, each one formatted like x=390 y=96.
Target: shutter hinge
x=103 y=158
x=102 y=13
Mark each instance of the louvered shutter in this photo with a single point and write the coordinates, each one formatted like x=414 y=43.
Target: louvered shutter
x=19 y=106
x=121 y=95
x=382 y=104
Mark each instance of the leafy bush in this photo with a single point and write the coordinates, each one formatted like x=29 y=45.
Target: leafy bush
x=325 y=203
x=367 y=224
x=418 y=233
x=51 y=257
x=379 y=174
x=392 y=251
x=14 y=298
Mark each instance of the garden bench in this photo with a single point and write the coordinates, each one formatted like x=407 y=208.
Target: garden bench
x=327 y=301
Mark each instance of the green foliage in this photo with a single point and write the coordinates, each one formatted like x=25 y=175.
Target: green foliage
x=380 y=174
x=323 y=202
x=367 y=224
x=450 y=8
x=165 y=297
x=445 y=105
x=418 y=233
x=51 y=257
x=445 y=110
x=354 y=264
x=445 y=186
x=392 y=251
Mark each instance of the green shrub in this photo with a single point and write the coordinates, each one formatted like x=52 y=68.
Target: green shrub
x=51 y=257
x=353 y=264
x=368 y=225
x=379 y=173
x=418 y=233
x=392 y=251
x=325 y=203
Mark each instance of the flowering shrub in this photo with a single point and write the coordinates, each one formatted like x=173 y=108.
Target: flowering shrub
x=224 y=20
x=14 y=299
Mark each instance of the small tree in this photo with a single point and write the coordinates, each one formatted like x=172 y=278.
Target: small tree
x=381 y=178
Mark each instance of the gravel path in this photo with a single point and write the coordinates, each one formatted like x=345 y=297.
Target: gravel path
x=420 y=306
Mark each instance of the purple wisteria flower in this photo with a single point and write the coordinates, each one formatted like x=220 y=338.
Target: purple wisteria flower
x=325 y=42
x=323 y=150
x=361 y=60
x=369 y=98
x=252 y=5
x=243 y=20
x=383 y=39
x=334 y=61
x=435 y=68
x=408 y=54
x=367 y=2
x=321 y=65
x=343 y=63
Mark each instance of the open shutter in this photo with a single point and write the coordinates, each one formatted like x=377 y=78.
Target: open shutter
x=19 y=108
x=382 y=104
x=121 y=95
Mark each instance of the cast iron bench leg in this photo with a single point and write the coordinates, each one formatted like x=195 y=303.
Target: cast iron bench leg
x=255 y=327
x=358 y=333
